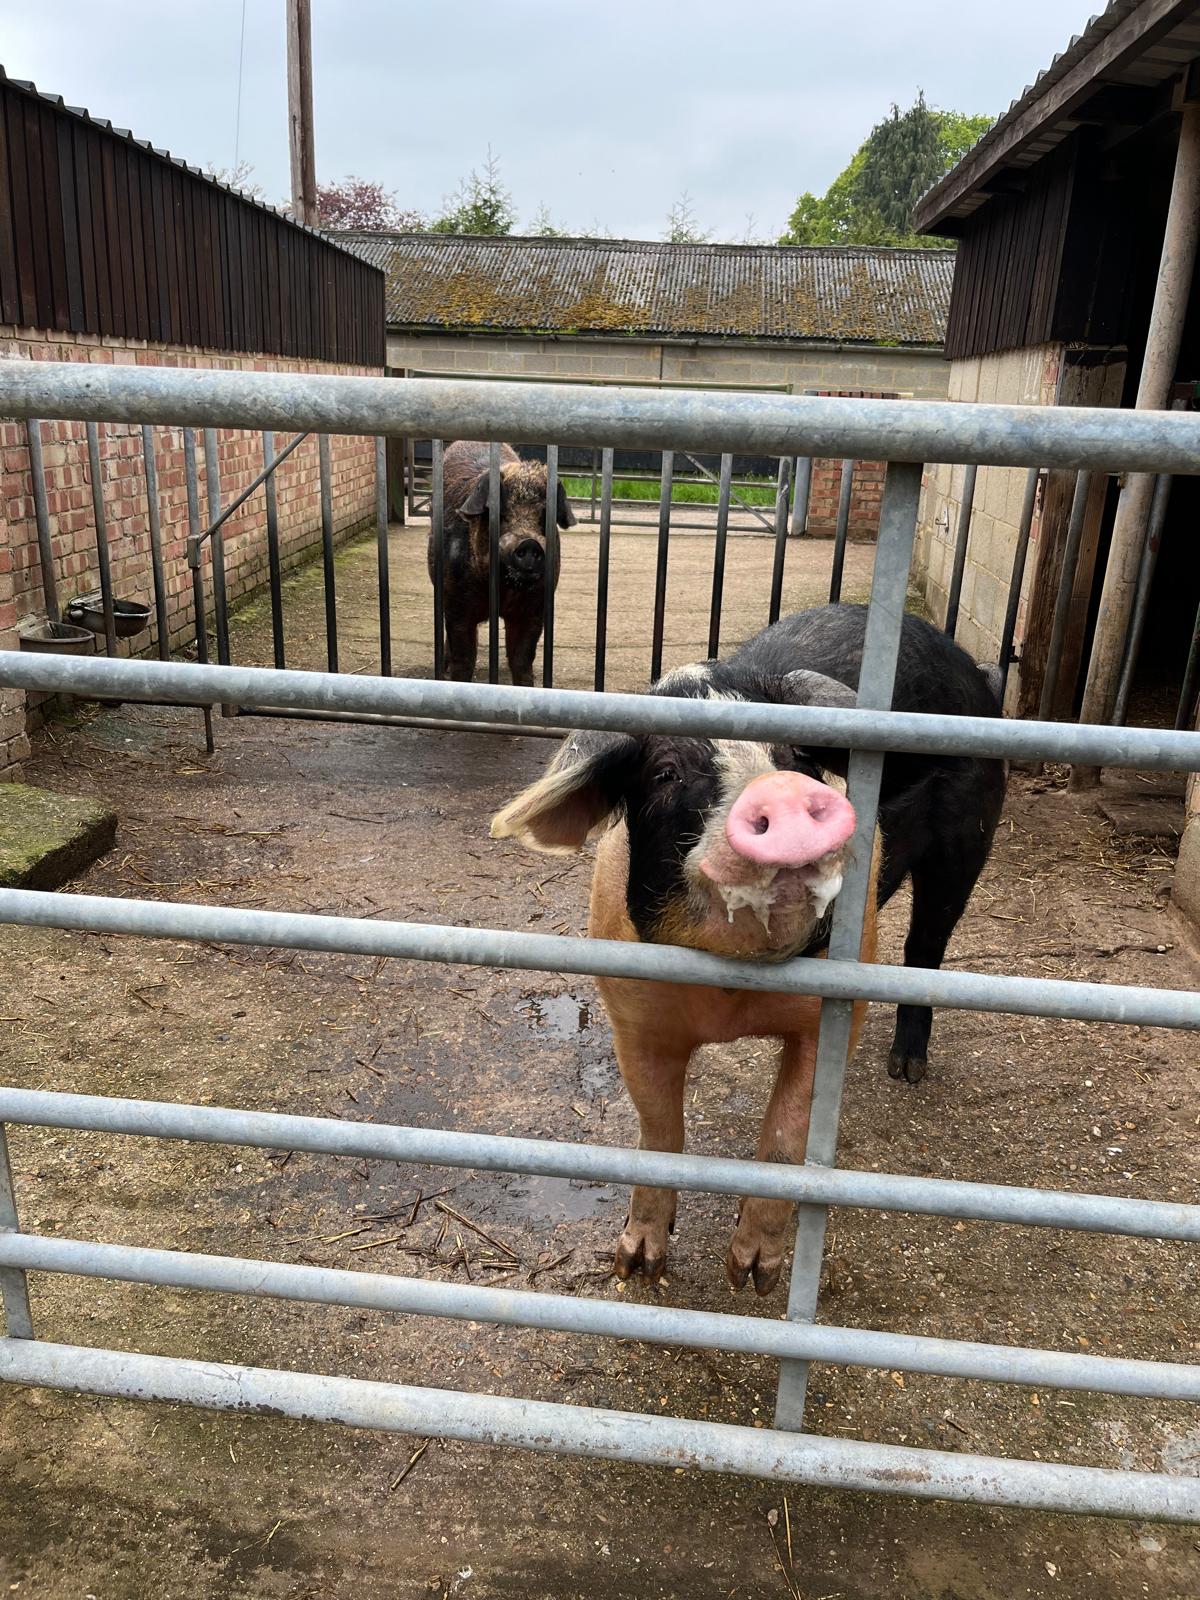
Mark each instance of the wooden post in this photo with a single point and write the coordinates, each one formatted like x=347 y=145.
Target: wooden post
x=300 y=112
x=1171 y=296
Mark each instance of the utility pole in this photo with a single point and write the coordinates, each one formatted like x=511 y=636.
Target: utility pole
x=300 y=111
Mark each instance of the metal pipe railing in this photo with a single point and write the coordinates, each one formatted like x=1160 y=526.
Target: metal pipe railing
x=961 y=538
x=760 y=425
x=840 y=532
x=41 y=513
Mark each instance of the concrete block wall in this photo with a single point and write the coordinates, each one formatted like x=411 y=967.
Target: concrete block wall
x=1012 y=377
x=69 y=497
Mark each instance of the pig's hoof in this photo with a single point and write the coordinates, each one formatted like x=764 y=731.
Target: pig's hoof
x=754 y=1253
x=643 y=1248
x=911 y=1068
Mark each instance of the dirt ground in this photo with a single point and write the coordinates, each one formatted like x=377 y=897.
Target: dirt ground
x=111 y=1499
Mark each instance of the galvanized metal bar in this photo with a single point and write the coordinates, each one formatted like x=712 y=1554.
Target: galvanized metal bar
x=494 y=563
x=327 y=552
x=1075 y=437
x=718 y=582
x=410 y=470
x=186 y=683
x=783 y=492
x=589 y=1163
x=801 y=496
x=608 y=1319
x=551 y=569
x=746 y=505
x=41 y=513
x=961 y=538
x=660 y=575
x=156 y=558
x=1018 y=578
x=252 y=487
x=877 y=676
x=1184 y=711
x=595 y=471
x=274 y=562
x=611 y=1435
x=841 y=530
x=212 y=481
x=605 y=551
x=1066 y=587
x=14 y=1289
x=382 y=559
x=1141 y=598
x=100 y=519
x=437 y=543
x=199 y=607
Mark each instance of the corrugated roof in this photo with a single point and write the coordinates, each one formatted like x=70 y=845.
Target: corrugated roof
x=59 y=104
x=1131 y=44
x=624 y=286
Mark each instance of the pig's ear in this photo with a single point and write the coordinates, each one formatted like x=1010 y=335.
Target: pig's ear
x=805 y=688
x=476 y=503
x=582 y=787
x=566 y=517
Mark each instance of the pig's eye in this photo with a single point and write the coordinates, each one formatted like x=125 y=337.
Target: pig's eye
x=667 y=774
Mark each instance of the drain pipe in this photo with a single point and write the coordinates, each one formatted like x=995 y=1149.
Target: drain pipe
x=1163 y=340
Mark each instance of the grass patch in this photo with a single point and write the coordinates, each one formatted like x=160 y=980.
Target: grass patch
x=684 y=491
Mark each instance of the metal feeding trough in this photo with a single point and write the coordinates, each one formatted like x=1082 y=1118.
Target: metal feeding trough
x=130 y=617
x=57 y=638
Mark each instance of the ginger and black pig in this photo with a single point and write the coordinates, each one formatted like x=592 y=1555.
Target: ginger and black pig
x=737 y=848
x=467 y=554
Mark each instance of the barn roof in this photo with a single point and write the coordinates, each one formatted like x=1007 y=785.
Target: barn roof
x=631 y=287
x=1114 y=74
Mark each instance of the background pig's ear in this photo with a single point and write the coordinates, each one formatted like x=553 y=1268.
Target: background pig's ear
x=566 y=517
x=805 y=688
x=476 y=503
x=582 y=787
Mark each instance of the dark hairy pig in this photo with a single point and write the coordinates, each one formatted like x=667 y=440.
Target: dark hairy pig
x=737 y=847
x=467 y=555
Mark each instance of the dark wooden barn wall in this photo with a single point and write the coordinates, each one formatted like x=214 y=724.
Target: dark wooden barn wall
x=99 y=235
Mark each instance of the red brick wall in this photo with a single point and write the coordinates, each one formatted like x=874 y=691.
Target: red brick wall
x=69 y=496
x=866 y=492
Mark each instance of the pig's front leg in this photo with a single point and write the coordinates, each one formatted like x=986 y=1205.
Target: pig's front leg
x=764 y=1226
x=462 y=646
x=654 y=1076
x=522 y=630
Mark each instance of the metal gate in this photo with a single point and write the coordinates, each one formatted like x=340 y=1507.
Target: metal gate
x=909 y=432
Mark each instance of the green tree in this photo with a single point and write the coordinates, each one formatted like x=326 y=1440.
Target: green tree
x=543 y=226
x=683 y=226
x=482 y=204
x=871 y=200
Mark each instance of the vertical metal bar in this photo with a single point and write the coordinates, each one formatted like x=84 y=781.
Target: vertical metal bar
x=14 y=1287
x=881 y=648
x=718 y=583
x=102 y=562
x=840 y=532
x=960 y=547
x=331 y=628
x=606 y=478
x=660 y=578
x=212 y=481
x=800 y=498
x=410 y=475
x=385 y=577
x=595 y=469
x=783 y=492
x=274 y=565
x=41 y=512
x=156 y=560
x=1018 y=577
x=1191 y=679
x=551 y=565
x=195 y=560
x=493 y=563
x=437 y=540
x=1141 y=598
x=1066 y=587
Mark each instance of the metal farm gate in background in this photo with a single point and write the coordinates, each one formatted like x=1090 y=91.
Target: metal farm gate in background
x=909 y=433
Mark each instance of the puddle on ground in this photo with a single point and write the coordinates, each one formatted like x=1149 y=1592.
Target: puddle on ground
x=553 y=1199
x=563 y=1016
x=580 y=1022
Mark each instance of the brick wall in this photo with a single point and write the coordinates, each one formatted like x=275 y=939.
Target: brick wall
x=69 y=497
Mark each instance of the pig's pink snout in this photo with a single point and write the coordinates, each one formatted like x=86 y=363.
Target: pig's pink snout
x=788 y=820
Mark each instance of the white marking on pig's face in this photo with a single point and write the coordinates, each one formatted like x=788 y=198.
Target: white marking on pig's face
x=694 y=675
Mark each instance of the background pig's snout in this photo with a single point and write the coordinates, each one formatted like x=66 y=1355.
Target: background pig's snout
x=528 y=558
x=788 y=820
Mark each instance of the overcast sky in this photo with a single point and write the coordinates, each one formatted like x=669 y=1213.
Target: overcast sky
x=603 y=110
